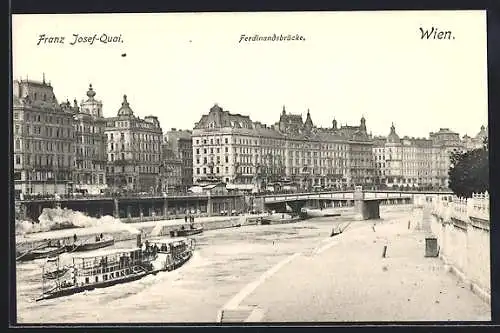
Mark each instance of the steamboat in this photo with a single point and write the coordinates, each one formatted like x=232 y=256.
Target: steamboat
x=109 y=267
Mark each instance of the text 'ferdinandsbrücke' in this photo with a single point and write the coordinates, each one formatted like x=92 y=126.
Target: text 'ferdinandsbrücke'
x=272 y=38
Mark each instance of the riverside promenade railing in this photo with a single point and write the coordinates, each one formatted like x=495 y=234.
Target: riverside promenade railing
x=462 y=227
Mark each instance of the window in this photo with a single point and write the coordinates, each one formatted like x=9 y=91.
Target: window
x=18 y=159
x=204 y=171
x=225 y=140
x=16 y=115
x=227 y=159
x=197 y=171
x=197 y=150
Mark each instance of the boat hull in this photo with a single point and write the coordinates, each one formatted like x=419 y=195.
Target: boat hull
x=186 y=232
x=265 y=221
x=103 y=284
x=40 y=254
x=91 y=246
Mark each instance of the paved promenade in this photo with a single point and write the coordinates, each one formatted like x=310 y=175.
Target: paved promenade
x=346 y=279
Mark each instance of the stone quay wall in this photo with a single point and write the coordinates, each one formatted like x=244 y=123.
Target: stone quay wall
x=462 y=229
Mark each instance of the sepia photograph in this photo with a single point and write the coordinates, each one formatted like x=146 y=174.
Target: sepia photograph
x=251 y=167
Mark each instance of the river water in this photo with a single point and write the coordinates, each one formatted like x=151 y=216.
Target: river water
x=224 y=262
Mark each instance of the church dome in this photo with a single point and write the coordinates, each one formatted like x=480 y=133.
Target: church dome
x=393 y=137
x=90 y=92
x=125 y=110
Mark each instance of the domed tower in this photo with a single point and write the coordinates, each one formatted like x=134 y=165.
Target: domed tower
x=362 y=125
x=393 y=138
x=91 y=106
x=308 y=125
x=125 y=110
x=334 y=124
x=282 y=122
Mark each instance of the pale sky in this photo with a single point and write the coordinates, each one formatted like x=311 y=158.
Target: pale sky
x=352 y=64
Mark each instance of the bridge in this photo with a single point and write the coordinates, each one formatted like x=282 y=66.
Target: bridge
x=156 y=206
x=133 y=206
x=366 y=202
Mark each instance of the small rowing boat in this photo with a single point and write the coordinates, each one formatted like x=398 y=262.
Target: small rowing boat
x=42 y=253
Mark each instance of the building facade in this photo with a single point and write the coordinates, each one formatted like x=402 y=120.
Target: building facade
x=232 y=148
x=170 y=169
x=179 y=145
x=419 y=162
x=90 y=146
x=133 y=149
x=43 y=140
x=476 y=142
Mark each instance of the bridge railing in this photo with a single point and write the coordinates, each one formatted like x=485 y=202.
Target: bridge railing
x=342 y=195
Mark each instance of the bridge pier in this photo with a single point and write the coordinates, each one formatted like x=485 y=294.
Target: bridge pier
x=165 y=207
x=209 y=205
x=116 y=210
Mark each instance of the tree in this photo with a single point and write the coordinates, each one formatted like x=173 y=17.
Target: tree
x=469 y=172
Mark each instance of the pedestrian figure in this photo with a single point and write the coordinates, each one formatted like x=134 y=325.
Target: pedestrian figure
x=74 y=238
x=185 y=218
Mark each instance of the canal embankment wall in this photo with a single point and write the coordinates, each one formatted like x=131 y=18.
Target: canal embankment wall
x=462 y=229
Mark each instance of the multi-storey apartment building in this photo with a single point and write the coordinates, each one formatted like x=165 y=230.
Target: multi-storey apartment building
x=234 y=149
x=43 y=140
x=419 y=162
x=90 y=146
x=179 y=145
x=444 y=142
x=403 y=161
x=170 y=169
x=134 y=149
